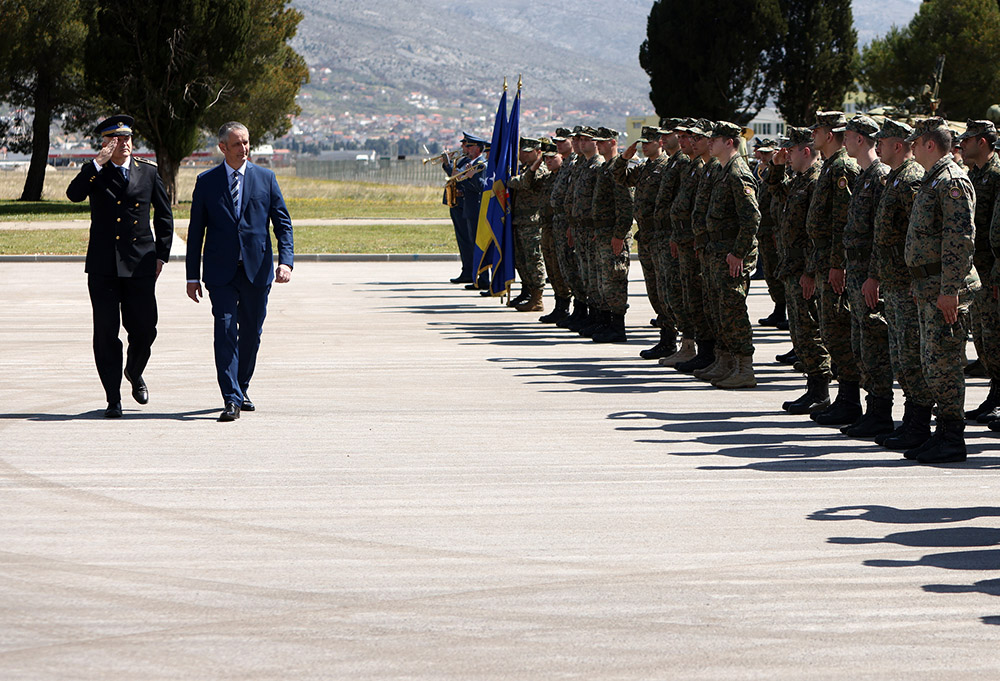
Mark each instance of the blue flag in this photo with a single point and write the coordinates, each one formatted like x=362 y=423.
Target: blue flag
x=484 y=248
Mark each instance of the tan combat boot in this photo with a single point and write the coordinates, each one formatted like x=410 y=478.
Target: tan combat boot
x=532 y=304
x=687 y=352
x=720 y=367
x=741 y=377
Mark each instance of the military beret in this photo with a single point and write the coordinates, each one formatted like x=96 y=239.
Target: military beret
x=764 y=144
x=529 y=144
x=472 y=139
x=727 y=129
x=863 y=125
x=669 y=124
x=926 y=126
x=650 y=134
x=795 y=137
x=977 y=129
x=606 y=134
x=834 y=120
x=116 y=126
x=585 y=131
x=891 y=128
x=561 y=134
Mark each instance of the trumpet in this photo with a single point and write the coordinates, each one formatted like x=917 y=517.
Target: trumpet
x=466 y=173
x=449 y=155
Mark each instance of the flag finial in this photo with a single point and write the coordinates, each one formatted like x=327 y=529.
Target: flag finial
x=519 y=82
x=505 y=83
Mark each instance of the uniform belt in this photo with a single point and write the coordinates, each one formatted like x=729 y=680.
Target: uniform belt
x=924 y=271
x=717 y=235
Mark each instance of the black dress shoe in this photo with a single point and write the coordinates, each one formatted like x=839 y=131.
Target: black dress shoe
x=230 y=413
x=461 y=279
x=247 y=403
x=114 y=410
x=472 y=287
x=139 y=390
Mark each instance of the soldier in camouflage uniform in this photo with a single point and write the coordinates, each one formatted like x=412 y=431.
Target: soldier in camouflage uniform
x=890 y=279
x=869 y=331
x=763 y=150
x=994 y=289
x=645 y=179
x=940 y=244
x=825 y=264
x=668 y=255
x=560 y=285
x=561 y=225
x=694 y=135
x=794 y=193
x=730 y=254
x=983 y=167
x=582 y=233
x=613 y=211
x=528 y=196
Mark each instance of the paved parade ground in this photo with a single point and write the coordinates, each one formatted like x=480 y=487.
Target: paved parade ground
x=436 y=487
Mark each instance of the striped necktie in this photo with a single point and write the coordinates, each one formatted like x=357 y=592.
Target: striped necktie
x=234 y=189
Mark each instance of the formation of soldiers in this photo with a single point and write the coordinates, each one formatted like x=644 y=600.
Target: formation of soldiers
x=872 y=240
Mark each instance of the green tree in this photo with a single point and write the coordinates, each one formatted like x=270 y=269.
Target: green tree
x=713 y=59
x=818 y=62
x=899 y=64
x=182 y=67
x=41 y=70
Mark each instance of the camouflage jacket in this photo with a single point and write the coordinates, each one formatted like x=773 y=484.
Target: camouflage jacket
x=794 y=193
x=528 y=196
x=613 y=205
x=540 y=182
x=585 y=177
x=768 y=221
x=732 y=207
x=828 y=213
x=683 y=203
x=859 y=229
x=677 y=166
x=711 y=170
x=892 y=217
x=646 y=178
x=561 y=186
x=986 y=182
x=941 y=234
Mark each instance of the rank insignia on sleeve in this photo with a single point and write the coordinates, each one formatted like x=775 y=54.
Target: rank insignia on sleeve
x=842 y=183
x=955 y=193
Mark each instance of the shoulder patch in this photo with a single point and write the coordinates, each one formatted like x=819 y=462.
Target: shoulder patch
x=955 y=193
x=748 y=190
x=842 y=183
x=146 y=161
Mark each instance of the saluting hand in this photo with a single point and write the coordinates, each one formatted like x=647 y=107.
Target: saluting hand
x=107 y=149
x=630 y=152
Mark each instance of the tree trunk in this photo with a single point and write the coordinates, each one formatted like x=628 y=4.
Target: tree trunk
x=168 y=167
x=34 y=183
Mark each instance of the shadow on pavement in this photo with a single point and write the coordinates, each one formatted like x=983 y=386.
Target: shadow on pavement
x=129 y=415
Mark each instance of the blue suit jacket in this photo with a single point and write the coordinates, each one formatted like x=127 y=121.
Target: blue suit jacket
x=226 y=239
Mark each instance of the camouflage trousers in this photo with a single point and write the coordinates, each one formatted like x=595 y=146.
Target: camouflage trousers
x=668 y=283
x=568 y=265
x=942 y=350
x=651 y=274
x=691 y=318
x=768 y=264
x=903 y=326
x=559 y=284
x=803 y=326
x=528 y=255
x=727 y=298
x=984 y=318
x=869 y=336
x=582 y=230
x=835 y=327
x=611 y=273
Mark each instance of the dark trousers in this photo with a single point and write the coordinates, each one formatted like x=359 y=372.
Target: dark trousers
x=117 y=302
x=463 y=240
x=239 y=308
x=472 y=226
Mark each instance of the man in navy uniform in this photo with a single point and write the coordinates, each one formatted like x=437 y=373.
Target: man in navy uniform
x=458 y=220
x=230 y=210
x=124 y=256
x=472 y=194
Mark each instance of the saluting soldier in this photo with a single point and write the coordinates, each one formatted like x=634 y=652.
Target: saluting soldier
x=940 y=244
x=124 y=256
x=528 y=196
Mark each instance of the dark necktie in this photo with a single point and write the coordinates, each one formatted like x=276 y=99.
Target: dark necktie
x=124 y=172
x=234 y=189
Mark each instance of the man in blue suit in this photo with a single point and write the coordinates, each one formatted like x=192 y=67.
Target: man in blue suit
x=230 y=210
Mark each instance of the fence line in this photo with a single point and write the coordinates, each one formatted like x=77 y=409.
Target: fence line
x=383 y=171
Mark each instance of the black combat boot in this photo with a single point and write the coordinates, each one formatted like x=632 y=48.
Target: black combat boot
x=561 y=311
x=522 y=297
x=877 y=419
x=913 y=433
x=815 y=398
x=845 y=409
x=975 y=369
x=705 y=356
x=666 y=347
x=788 y=358
x=598 y=319
x=991 y=402
x=613 y=332
x=775 y=318
x=950 y=447
x=576 y=320
x=907 y=417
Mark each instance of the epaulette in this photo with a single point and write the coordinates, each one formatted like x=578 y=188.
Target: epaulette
x=146 y=161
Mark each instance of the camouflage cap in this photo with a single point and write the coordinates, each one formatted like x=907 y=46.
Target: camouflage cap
x=529 y=144
x=830 y=119
x=764 y=144
x=606 y=135
x=891 y=128
x=727 y=129
x=650 y=134
x=561 y=134
x=795 y=137
x=585 y=131
x=863 y=125
x=548 y=147
x=925 y=126
x=669 y=124
x=977 y=129
x=701 y=128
